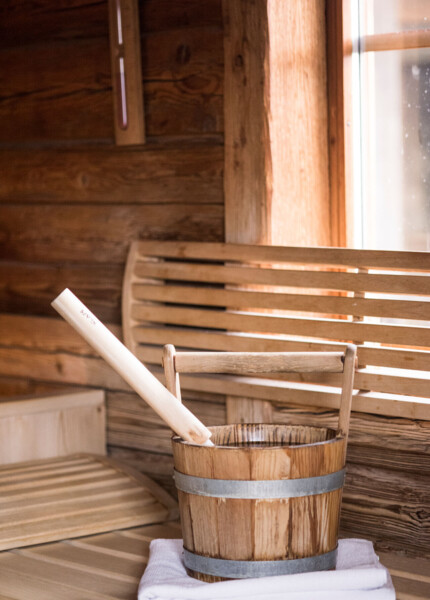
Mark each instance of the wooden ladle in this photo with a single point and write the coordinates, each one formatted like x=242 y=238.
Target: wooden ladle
x=169 y=408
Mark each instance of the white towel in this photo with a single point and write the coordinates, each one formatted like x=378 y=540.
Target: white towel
x=358 y=576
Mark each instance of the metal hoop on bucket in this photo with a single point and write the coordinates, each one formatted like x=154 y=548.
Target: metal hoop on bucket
x=242 y=569
x=280 y=488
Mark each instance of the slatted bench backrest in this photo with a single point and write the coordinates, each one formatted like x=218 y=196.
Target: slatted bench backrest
x=230 y=297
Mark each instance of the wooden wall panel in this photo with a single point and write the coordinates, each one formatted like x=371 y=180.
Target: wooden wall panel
x=160 y=15
x=30 y=288
x=155 y=174
x=56 y=92
x=183 y=82
x=51 y=181
x=11 y=387
x=63 y=91
x=32 y=20
x=29 y=21
x=101 y=233
x=70 y=201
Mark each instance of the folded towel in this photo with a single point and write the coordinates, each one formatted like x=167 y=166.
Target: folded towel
x=358 y=576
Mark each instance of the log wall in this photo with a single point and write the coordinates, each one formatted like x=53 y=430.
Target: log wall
x=70 y=200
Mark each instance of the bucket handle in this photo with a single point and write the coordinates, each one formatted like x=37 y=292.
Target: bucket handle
x=349 y=364
x=266 y=362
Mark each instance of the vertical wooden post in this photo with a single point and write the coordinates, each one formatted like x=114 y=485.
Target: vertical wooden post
x=248 y=168
x=298 y=120
x=247 y=175
x=276 y=145
x=170 y=373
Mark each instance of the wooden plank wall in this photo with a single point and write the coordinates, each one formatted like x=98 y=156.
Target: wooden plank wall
x=71 y=201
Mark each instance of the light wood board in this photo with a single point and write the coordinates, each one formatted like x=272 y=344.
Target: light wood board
x=109 y=566
x=48 y=500
x=52 y=425
x=99 y=567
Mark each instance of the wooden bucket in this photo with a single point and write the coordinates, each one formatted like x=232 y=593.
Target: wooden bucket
x=265 y=500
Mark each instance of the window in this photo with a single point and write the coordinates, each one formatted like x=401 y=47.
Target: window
x=391 y=123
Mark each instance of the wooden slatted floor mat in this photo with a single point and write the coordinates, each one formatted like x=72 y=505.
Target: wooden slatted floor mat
x=47 y=500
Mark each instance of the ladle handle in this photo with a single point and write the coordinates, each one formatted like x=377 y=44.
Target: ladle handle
x=175 y=414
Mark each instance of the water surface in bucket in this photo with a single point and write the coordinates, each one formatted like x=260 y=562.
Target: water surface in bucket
x=256 y=444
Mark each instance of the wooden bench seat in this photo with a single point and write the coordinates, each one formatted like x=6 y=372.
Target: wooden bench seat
x=109 y=566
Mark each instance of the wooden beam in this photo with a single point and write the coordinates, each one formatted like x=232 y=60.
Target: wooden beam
x=339 y=95
x=247 y=177
x=400 y=40
x=248 y=162
x=276 y=162
x=297 y=79
x=335 y=96
x=175 y=173
x=276 y=157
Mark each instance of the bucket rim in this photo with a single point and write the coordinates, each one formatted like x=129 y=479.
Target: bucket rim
x=337 y=437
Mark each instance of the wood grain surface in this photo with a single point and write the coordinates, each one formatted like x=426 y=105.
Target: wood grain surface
x=29 y=21
x=70 y=98
x=263 y=529
x=58 y=160
x=97 y=233
x=52 y=425
x=55 y=499
x=169 y=175
x=311 y=255
x=187 y=305
x=181 y=168
x=197 y=322
x=108 y=566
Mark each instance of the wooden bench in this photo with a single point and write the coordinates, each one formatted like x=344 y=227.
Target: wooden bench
x=107 y=566
x=53 y=503
x=225 y=297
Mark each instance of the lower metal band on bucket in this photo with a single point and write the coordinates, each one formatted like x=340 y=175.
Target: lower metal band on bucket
x=242 y=569
x=255 y=490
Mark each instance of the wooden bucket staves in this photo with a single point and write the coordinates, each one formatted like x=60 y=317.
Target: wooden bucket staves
x=265 y=500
